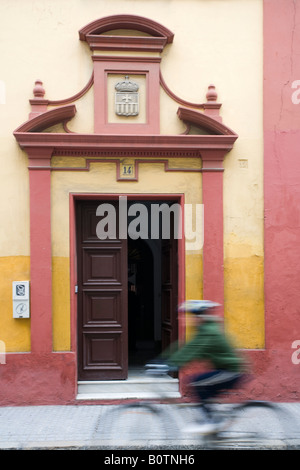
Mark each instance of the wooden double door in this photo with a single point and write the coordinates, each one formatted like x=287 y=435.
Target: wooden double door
x=103 y=328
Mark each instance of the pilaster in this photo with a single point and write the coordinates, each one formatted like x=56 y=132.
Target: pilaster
x=40 y=249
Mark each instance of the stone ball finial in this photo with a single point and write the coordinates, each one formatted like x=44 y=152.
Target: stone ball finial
x=38 y=90
x=211 y=95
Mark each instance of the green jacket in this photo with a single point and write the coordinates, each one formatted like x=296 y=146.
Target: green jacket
x=209 y=344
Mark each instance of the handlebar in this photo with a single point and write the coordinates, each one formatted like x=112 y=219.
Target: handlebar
x=159 y=368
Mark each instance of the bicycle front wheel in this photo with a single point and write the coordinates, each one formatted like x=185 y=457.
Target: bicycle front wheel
x=138 y=425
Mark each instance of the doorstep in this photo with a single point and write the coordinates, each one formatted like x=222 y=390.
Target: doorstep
x=133 y=387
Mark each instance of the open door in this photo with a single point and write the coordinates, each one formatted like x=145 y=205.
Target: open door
x=169 y=292
x=108 y=276
x=102 y=299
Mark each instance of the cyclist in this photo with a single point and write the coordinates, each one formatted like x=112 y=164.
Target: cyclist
x=208 y=344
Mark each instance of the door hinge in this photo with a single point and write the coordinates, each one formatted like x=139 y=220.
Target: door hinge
x=76 y=289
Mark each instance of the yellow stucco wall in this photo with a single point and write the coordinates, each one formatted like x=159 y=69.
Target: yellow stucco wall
x=15 y=333
x=216 y=42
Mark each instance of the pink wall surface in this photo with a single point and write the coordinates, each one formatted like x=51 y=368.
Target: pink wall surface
x=279 y=370
x=38 y=379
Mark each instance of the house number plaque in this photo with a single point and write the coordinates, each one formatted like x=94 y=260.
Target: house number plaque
x=127 y=170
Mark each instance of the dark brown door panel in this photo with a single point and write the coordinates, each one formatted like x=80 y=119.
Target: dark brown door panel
x=102 y=264
x=102 y=307
x=102 y=300
x=102 y=355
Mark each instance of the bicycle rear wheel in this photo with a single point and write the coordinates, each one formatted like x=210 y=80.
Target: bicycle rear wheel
x=255 y=424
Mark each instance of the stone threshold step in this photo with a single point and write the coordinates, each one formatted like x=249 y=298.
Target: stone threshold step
x=127 y=395
x=138 y=387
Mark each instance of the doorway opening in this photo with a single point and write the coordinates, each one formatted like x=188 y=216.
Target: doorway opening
x=152 y=286
x=127 y=291
x=144 y=294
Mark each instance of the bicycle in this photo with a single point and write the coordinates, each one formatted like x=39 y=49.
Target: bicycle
x=160 y=421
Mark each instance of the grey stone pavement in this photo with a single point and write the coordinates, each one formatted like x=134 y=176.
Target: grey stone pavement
x=95 y=427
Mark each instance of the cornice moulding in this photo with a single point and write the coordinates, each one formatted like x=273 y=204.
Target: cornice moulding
x=132 y=22
x=126 y=43
x=96 y=142
x=93 y=34
x=47 y=119
x=199 y=119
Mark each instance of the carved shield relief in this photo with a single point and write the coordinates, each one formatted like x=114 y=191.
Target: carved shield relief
x=127 y=98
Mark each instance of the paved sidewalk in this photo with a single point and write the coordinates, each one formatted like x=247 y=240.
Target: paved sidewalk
x=119 y=427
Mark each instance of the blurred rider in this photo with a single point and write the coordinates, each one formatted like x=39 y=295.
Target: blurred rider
x=208 y=344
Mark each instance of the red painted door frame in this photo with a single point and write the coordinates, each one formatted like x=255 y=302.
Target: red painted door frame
x=73 y=252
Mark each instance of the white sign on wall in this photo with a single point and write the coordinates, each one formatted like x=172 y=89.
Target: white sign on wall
x=21 y=299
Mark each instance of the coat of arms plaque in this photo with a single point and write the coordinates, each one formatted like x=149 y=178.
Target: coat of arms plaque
x=127 y=98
